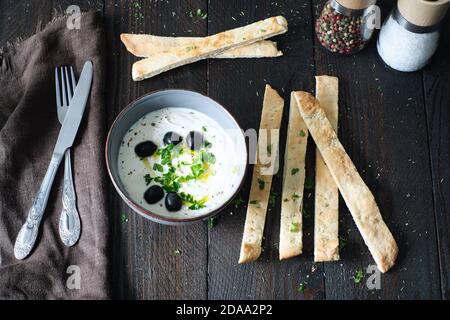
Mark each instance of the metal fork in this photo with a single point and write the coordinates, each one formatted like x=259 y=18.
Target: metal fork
x=69 y=222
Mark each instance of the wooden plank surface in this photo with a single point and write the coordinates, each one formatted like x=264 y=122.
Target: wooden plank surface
x=436 y=81
x=239 y=86
x=394 y=126
x=382 y=126
x=152 y=261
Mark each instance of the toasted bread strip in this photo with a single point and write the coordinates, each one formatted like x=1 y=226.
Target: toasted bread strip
x=291 y=225
x=211 y=45
x=260 y=189
x=145 y=45
x=355 y=192
x=326 y=217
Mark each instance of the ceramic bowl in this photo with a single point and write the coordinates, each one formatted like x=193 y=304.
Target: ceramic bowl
x=172 y=99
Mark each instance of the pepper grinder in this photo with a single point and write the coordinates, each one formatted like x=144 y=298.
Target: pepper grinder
x=343 y=25
x=410 y=35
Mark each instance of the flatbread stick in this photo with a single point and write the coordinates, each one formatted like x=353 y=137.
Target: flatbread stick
x=356 y=194
x=145 y=45
x=326 y=216
x=211 y=45
x=260 y=189
x=291 y=225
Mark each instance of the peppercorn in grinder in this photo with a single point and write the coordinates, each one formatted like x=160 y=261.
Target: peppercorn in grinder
x=410 y=35
x=346 y=26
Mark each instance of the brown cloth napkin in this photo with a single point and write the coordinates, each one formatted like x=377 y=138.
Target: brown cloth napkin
x=28 y=131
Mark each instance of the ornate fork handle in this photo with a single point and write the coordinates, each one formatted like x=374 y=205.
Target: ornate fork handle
x=69 y=222
x=28 y=233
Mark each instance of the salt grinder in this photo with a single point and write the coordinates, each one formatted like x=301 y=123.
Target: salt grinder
x=410 y=35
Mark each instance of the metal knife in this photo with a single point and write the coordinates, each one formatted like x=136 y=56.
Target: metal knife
x=28 y=233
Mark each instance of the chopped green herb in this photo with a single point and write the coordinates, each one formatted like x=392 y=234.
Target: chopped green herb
x=148 y=179
x=158 y=167
x=124 y=217
x=309 y=183
x=269 y=149
x=208 y=157
x=204 y=129
x=305 y=214
x=342 y=243
x=238 y=203
x=261 y=184
x=295 y=227
x=286 y=200
x=295 y=196
x=272 y=199
x=294 y=171
x=302 y=133
x=253 y=201
x=358 y=276
x=202 y=14
x=301 y=287
x=207 y=144
x=263 y=30
x=212 y=222
x=192 y=203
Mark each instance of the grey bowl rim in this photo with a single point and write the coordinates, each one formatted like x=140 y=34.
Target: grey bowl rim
x=154 y=216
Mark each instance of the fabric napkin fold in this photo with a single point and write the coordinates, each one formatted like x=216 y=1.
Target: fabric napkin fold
x=28 y=132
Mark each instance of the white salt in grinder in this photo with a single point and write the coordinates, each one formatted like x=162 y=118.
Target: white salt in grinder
x=410 y=35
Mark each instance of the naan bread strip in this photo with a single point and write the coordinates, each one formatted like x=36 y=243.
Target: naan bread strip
x=291 y=225
x=355 y=192
x=211 y=45
x=326 y=217
x=259 y=197
x=145 y=45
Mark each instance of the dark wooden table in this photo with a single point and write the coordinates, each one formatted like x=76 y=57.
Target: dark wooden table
x=394 y=126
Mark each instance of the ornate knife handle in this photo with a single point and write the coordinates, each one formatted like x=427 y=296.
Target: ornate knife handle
x=69 y=221
x=28 y=233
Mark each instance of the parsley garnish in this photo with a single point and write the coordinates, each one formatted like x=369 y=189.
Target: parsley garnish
x=358 y=276
x=295 y=227
x=342 y=243
x=306 y=215
x=309 y=183
x=302 y=133
x=295 y=196
x=294 y=171
x=212 y=222
x=272 y=199
x=238 y=203
x=202 y=14
x=269 y=149
x=148 y=179
x=261 y=184
x=123 y=217
x=301 y=287
x=253 y=201
x=204 y=129
x=158 y=167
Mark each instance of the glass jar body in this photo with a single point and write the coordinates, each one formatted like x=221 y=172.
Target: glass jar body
x=343 y=30
x=403 y=49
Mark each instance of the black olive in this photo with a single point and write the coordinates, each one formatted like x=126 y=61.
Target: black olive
x=153 y=194
x=173 y=202
x=145 y=149
x=172 y=138
x=194 y=140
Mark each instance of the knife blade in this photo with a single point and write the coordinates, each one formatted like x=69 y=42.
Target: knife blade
x=75 y=112
x=28 y=233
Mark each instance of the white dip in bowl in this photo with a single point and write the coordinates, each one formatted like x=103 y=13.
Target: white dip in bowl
x=205 y=179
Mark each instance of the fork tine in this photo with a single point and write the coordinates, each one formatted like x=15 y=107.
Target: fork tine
x=58 y=92
x=74 y=82
x=69 y=87
x=64 y=91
